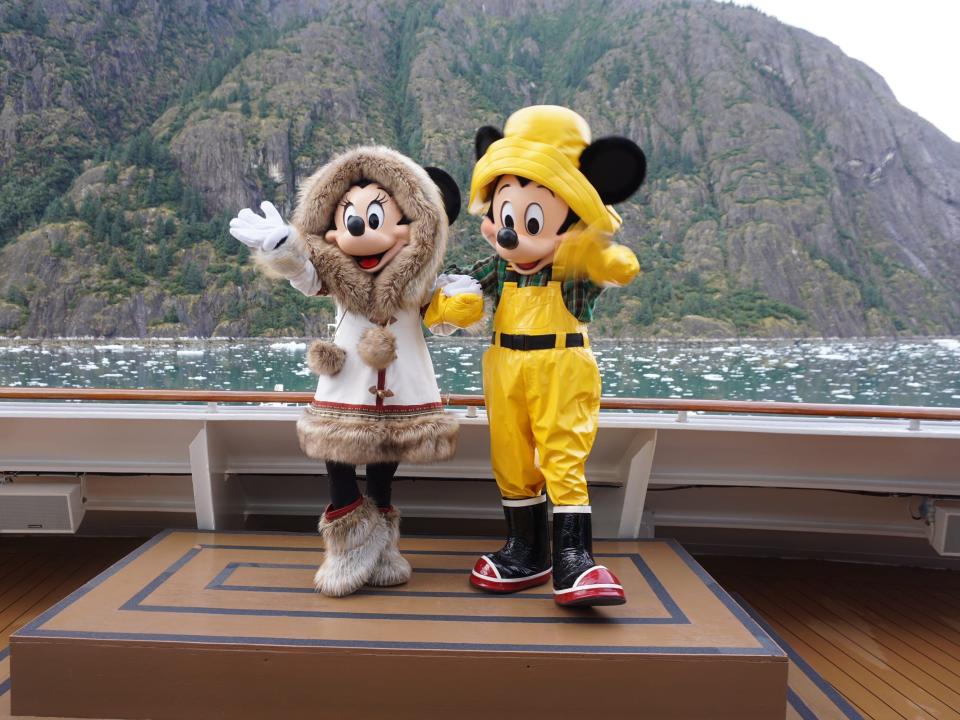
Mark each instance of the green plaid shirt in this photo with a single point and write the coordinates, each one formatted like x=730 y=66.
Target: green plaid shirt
x=579 y=294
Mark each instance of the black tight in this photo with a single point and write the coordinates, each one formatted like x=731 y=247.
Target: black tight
x=343 y=483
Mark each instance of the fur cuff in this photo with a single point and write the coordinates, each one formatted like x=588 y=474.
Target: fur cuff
x=392 y=568
x=353 y=544
x=325 y=358
x=286 y=261
x=377 y=347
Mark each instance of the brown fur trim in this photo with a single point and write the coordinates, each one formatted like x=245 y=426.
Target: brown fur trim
x=353 y=545
x=286 y=261
x=423 y=439
x=408 y=277
x=377 y=347
x=325 y=358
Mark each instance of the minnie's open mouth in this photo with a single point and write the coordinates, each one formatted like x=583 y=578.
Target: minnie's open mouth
x=527 y=266
x=368 y=262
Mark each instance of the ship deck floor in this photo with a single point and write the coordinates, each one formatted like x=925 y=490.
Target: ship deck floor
x=887 y=638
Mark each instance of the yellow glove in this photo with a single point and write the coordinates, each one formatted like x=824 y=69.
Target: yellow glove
x=613 y=266
x=457 y=303
x=590 y=252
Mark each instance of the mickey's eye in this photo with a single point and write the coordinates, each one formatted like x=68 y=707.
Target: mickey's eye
x=375 y=215
x=506 y=214
x=533 y=218
x=348 y=212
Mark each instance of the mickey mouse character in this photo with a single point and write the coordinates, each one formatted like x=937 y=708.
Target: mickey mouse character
x=546 y=192
x=370 y=229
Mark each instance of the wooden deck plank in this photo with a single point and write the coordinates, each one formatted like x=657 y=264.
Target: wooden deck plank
x=884 y=596
x=943 y=635
x=877 y=677
x=42 y=584
x=26 y=577
x=916 y=650
x=10 y=566
x=50 y=595
x=897 y=656
x=885 y=611
x=866 y=702
x=944 y=611
x=911 y=682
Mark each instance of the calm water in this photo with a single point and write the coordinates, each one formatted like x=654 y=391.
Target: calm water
x=921 y=372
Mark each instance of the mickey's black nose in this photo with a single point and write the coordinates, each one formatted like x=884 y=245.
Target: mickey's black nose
x=507 y=238
x=355 y=226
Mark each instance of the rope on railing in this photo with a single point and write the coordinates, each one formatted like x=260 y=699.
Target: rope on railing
x=606 y=403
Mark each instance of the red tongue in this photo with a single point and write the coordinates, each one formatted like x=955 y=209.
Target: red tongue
x=527 y=266
x=370 y=261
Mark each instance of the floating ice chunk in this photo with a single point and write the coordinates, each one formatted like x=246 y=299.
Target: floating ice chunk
x=110 y=348
x=948 y=343
x=190 y=352
x=291 y=346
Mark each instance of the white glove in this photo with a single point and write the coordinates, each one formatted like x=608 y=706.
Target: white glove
x=458 y=285
x=261 y=233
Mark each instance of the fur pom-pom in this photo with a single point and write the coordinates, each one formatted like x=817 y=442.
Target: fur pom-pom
x=377 y=347
x=325 y=358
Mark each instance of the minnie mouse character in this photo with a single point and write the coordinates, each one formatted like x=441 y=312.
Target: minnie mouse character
x=370 y=230
x=546 y=190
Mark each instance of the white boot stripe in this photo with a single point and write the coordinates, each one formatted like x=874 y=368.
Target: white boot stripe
x=538 y=500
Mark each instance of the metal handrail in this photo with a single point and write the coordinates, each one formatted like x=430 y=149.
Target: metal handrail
x=606 y=403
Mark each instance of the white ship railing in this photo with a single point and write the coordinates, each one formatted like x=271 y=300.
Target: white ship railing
x=225 y=454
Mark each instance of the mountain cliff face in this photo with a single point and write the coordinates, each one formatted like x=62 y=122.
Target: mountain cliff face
x=789 y=193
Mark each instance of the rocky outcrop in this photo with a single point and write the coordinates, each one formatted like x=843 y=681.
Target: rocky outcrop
x=789 y=193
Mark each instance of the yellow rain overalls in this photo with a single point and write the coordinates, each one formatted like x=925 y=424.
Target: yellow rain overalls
x=543 y=399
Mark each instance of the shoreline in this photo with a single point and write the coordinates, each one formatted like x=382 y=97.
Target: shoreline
x=466 y=339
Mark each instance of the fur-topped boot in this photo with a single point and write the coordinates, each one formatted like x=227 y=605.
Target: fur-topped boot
x=354 y=537
x=392 y=568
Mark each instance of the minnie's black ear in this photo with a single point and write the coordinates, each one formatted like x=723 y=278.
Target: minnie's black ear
x=615 y=166
x=449 y=191
x=486 y=136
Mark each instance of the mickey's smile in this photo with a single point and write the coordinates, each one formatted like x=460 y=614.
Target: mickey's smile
x=368 y=262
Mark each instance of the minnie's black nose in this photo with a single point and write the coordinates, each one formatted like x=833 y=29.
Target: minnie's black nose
x=355 y=226
x=507 y=238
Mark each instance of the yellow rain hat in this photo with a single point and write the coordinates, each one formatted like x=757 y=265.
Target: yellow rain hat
x=543 y=143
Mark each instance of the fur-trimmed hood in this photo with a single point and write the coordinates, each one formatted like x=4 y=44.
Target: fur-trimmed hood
x=408 y=278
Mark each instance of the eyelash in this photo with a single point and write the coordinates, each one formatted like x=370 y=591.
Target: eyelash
x=382 y=199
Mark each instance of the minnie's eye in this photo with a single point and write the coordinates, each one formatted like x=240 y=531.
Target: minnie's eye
x=533 y=218
x=348 y=212
x=506 y=214
x=375 y=215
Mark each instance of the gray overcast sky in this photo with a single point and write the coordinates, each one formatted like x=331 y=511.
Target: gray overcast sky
x=913 y=44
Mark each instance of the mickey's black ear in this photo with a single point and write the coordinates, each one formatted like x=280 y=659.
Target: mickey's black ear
x=486 y=136
x=615 y=166
x=449 y=191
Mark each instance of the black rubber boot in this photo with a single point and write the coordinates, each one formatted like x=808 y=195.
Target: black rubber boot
x=577 y=579
x=524 y=561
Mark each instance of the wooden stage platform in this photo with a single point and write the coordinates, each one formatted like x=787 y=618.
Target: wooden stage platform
x=216 y=625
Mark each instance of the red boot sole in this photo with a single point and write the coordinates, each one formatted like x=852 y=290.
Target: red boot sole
x=585 y=598
x=495 y=586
